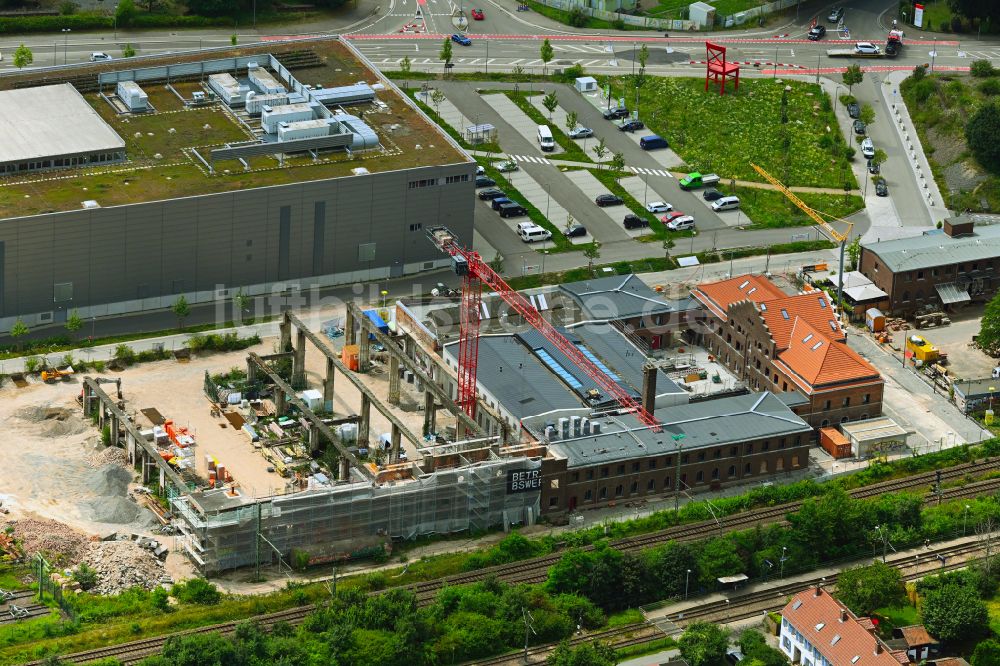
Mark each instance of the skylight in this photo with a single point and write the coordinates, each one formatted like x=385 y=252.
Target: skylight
x=596 y=361
x=822 y=302
x=807 y=338
x=745 y=283
x=833 y=325
x=855 y=658
x=763 y=307
x=817 y=345
x=751 y=291
x=836 y=639
x=784 y=313
x=556 y=367
x=795 y=606
x=819 y=627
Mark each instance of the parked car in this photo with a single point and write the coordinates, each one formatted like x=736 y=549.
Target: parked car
x=817 y=32
x=576 y=229
x=615 y=113
x=581 y=132
x=499 y=201
x=513 y=209
x=505 y=167
x=98 y=56
x=659 y=207
x=485 y=181
x=726 y=203
x=881 y=187
x=603 y=200
x=633 y=221
x=853 y=110
x=873 y=168
x=532 y=233
x=734 y=656
x=653 y=142
x=489 y=194
x=868 y=148
x=859 y=127
x=866 y=48
x=461 y=39
x=836 y=14
x=477 y=15
x=480 y=170
x=631 y=126
x=712 y=194
x=681 y=222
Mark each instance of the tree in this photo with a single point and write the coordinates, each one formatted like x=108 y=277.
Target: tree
x=128 y=51
x=852 y=76
x=233 y=39
x=241 y=304
x=953 y=613
x=404 y=67
x=17 y=331
x=436 y=98
x=867 y=114
x=982 y=69
x=497 y=263
x=126 y=11
x=854 y=252
x=547 y=53
x=592 y=252
x=572 y=120
x=989 y=327
x=577 y=17
x=550 y=102
x=879 y=157
x=718 y=558
x=585 y=654
x=864 y=589
x=600 y=150
x=181 y=310
x=755 y=649
x=73 y=322
x=86 y=576
x=667 y=567
x=976 y=9
x=668 y=245
x=981 y=134
x=23 y=57
x=446 y=54
x=617 y=164
x=987 y=653
x=704 y=644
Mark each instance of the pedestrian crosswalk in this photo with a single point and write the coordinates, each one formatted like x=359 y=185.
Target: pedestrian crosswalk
x=650 y=172
x=530 y=158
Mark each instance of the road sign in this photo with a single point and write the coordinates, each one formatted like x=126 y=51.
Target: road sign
x=918 y=15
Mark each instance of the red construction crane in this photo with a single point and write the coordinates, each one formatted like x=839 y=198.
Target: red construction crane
x=475 y=273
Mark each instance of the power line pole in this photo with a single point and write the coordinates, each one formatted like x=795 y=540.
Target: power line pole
x=528 y=629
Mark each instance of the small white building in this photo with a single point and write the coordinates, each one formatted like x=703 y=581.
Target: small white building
x=135 y=98
x=586 y=84
x=701 y=14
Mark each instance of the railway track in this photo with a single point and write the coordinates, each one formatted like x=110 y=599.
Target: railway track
x=631 y=634
x=536 y=570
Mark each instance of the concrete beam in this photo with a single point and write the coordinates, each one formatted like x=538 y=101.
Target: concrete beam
x=393 y=379
x=364 y=425
x=350 y=335
x=282 y=386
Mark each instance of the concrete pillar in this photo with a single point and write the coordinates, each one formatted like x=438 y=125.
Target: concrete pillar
x=429 y=415
x=285 y=328
x=408 y=346
x=115 y=429
x=364 y=424
x=130 y=446
x=328 y=385
x=396 y=437
x=364 y=352
x=279 y=402
x=350 y=335
x=313 y=439
x=86 y=401
x=344 y=473
x=393 y=379
x=299 y=360
x=251 y=372
x=146 y=466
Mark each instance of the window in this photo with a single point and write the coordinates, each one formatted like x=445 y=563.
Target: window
x=847 y=401
x=416 y=227
x=634 y=488
x=651 y=485
x=668 y=461
x=553 y=502
x=666 y=483
x=781 y=444
x=575 y=477
x=588 y=496
x=750 y=448
x=784 y=386
x=428 y=182
x=684 y=459
x=734 y=450
x=766 y=446
x=621 y=470
x=732 y=471
x=590 y=475
x=701 y=456
x=635 y=467
x=604 y=493
x=554 y=484
x=619 y=490
x=464 y=178
x=920 y=275
x=906 y=296
x=747 y=469
x=825 y=423
x=715 y=473
x=867 y=399
x=717 y=453
x=699 y=477
x=604 y=472
x=652 y=463
x=826 y=406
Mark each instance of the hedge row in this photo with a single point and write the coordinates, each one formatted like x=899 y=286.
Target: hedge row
x=91 y=21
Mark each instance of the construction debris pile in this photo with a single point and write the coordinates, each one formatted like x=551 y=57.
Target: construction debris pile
x=59 y=542
x=108 y=455
x=121 y=565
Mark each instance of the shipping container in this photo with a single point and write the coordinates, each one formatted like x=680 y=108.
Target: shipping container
x=875 y=320
x=835 y=443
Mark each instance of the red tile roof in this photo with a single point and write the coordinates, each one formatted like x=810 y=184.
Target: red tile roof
x=916 y=636
x=847 y=643
x=814 y=361
x=815 y=307
x=718 y=296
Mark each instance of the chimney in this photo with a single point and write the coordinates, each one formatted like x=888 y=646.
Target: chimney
x=819 y=591
x=648 y=387
x=843 y=615
x=878 y=647
x=956 y=227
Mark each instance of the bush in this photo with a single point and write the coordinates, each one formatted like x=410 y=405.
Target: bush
x=197 y=591
x=990 y=87
x=32 y=364
x=578 y=18
x=956 y=24
x=982 y=69
x=124 y=355
x=85 y=576
x=981 y=133
x=573 y=72
x=618 y=24
x=226 y=342
x=67 y=7
x=160 y=600
x=99 y=366
x=300 y=560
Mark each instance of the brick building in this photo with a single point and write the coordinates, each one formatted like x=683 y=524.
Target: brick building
x=777 y=342
x=941 y=268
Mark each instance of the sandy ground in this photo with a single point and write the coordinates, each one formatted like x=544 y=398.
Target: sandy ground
x=964 y=362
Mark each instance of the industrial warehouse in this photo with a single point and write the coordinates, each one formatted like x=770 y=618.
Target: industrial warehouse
x=267 y=169
x=355 y=433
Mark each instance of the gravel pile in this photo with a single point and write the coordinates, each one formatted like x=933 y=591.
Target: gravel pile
x=108 y=455
x=49 y=537
x=121 y=565
x=110 y=485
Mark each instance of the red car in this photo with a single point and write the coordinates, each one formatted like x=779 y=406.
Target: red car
x=671 y=216
x=477 y=14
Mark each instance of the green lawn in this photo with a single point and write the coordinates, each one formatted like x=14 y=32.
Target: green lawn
x=937 y=16
x=899 y=617
x=724 y=134
x=770 y=209
x=672 y=8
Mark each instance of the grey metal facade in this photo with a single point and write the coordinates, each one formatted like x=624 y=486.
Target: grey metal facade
x=139 y=257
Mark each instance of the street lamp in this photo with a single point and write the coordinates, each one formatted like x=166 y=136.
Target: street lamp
x=66 y=32
x=687 y=579
x=781 y=572
x=965 y=518
x=115 y=10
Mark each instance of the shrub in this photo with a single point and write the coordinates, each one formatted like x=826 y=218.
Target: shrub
x=197 y=591
x=578 y=18
x=86 y=576
x=67 y=7
x=300 y=560
x=990 y=87
x=32 y=364
x=618 y=24
x=923 y=89
x=124 y=355
x=572 y=73
x=99 y=366
x=982 y=69
x=160 y=599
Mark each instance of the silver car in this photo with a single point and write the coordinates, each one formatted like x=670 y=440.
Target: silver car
x=580 y=132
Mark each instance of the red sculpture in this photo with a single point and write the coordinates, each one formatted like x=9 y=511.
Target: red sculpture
x=719 y=70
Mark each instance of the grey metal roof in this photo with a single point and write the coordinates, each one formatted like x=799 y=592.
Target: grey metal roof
x=951 y=293
x=616 y=297
x=49 y=121
x=618 y=354
x=792 y=398
x=929 y=250
x=717 y=422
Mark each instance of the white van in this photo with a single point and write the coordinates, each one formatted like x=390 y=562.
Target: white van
x=97 y=56
x=534 y=233
x=726 y=203
x=545 y=140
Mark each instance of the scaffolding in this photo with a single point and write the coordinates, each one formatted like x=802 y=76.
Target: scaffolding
x=347 y=520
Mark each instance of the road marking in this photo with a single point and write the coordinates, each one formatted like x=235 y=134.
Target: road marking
x=529 y=158
x=651 y=172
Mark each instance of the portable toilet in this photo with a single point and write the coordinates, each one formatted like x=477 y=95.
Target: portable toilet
x=349 y=357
